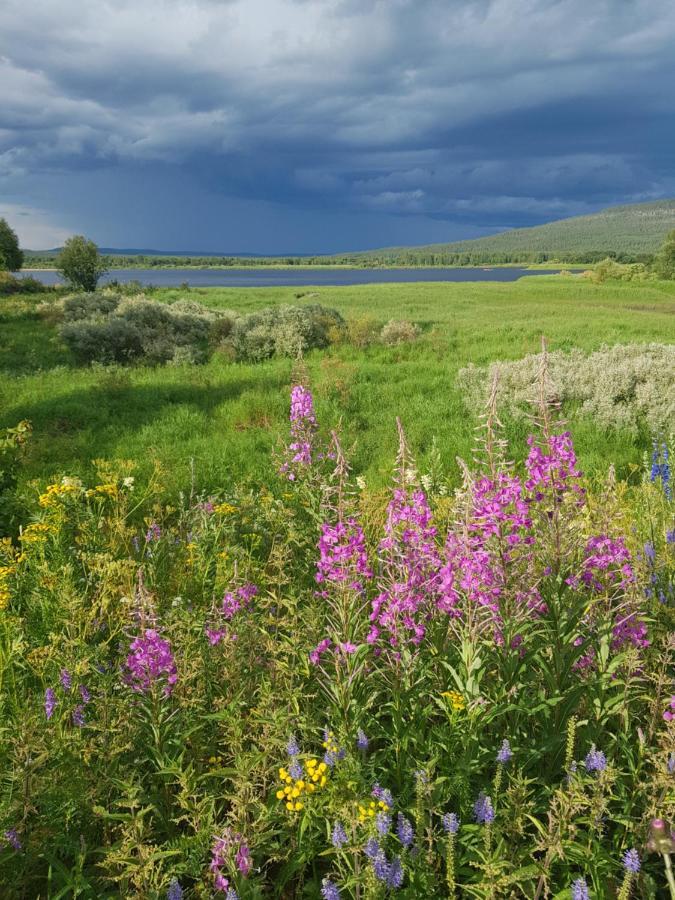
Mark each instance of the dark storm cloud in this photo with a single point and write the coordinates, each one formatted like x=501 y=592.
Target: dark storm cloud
x=371 y=122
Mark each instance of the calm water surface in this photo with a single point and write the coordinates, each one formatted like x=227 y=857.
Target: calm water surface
x=296 y=277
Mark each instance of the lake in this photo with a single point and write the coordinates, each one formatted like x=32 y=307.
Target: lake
x=315 y=277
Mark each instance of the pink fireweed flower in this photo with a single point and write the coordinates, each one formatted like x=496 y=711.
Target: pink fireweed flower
x=227 y=852
x=553 y=466
x=342 y=555
x=321 y=648
x=669 y=714
x=234 y=601
x=300 y=451
x=150 y=662
x=410 y=571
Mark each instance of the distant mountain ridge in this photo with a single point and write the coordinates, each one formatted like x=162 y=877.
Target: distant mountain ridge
x=623 y=231
x=629 y=233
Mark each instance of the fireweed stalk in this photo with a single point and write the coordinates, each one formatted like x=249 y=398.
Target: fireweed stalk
x=342 y=573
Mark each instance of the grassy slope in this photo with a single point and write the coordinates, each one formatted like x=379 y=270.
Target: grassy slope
x=228 y=416
x=637 y=228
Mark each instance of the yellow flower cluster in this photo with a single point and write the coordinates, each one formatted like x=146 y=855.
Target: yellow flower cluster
x=329 y=744
x=103 y=490
x=37 y=533
x=369 y=812
x=456 y=700
x=5 y=572
x=224 y=509
x=55 y=492
x=293 y=788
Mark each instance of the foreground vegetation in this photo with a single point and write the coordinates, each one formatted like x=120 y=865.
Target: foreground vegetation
x=301 y=688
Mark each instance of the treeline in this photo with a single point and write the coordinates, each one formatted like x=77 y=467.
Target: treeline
x=379 y=259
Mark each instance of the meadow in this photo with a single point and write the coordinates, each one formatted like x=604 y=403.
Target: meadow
x=220 y=420
x=263 y=634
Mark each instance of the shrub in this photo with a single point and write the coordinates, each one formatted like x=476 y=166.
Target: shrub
x=10 y=284
x=610 y=270
x=284 y=331
x=363 y=331
x=620 y=387
x=399 y=332
x=104 y=327
x=94 y=305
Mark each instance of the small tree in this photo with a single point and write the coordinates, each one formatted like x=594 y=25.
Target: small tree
x=11 y=257
x=80 y=263
x=664 y=261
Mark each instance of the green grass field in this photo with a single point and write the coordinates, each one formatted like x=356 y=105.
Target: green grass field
x=227 y=416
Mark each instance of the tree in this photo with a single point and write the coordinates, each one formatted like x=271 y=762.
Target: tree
x=11 y=257
x=664 y=261
x=80 y=263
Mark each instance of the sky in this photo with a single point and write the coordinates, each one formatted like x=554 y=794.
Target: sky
x=305 y=126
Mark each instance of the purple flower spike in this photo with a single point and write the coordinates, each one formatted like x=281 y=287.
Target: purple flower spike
x=595 y=761
x=329 y=890
x=175 y=891
x=65 y=679
x=631 y=861
x=404 y=830
x=292 y=747
x=339 y=836
x=361 y=740
x=579 y=889
x=483 y=811
x=50 y=703
x=505 y=754
x=451 y=823
x=12 y=838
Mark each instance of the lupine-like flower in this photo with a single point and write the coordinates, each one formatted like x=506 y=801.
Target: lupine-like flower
x=84 y=694
x=404 y=830
x=382 y=794
x=383 y=823
x=483 y=810
x=361 y=740
x=372 y=848
x=451 y=823
x=78 y=716
x=12 y=838
x=661 y=467
x=150 y=662
x=153 y=533
x=505 y=754
x=595 y=761
x=579 y=889
x=329 y=890
x=292 y=747
x=50 y=702
x=295 y=770
x=175 y=891
x=631 y=861
x=65 y=679
x=395 y=879
x=338 y=836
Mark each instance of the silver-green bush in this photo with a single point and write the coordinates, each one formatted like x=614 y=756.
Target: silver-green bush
x=399 y=331
x=620 y=387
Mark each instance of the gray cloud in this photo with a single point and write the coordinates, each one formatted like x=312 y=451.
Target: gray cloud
x=470 y=111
